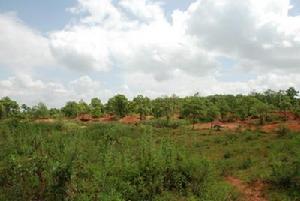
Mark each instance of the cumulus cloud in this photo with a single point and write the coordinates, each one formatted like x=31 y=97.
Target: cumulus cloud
x=183 y=84
x=138 y=49
x=21 y=47
x=260 y=35
x=27 y=90
x=133 y=36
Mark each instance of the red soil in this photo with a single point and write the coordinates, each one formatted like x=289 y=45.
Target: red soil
x=84 y=117
x=250 y=192
x=131 y=119
x=293 y=125
x=107 y=118
x=223 y=125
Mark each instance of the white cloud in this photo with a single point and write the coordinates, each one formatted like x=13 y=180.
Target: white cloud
x=21 y=48
x=183 y=84
x=134 y=36
x=258 y=34
x=27 y=90
x=152 y=54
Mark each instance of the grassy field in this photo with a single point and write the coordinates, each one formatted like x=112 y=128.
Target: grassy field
x=68 y=160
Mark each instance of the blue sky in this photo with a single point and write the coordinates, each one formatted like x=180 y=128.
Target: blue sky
x=59 y=50
x=52 y=14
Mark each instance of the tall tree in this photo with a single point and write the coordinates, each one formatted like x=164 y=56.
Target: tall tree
x=83 y=107
x=40 y=111
x=292 y=93
x=96 y=107
x=70 y=109
x=213 y=113
x=164 y=107
x=142 y=106
x=194 y=108
x=262 y=110
x=9 y=108
x=285 y=105
x=118 y=105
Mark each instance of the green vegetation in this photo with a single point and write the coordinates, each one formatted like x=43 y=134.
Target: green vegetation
x=195 y=108
x=160 y=158
x=101 y=162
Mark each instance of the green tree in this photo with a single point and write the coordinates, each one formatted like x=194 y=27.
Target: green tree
x=164 y=107
x=285 y=105
x=118 y=105
x=194 y=108
x=245 y=106
x=292 y=93
x=9 y=108
x=142 y=105
x=40 y=111
x=223 y=108
x=70 y=109
x=96 y=107
x=262 y=110
x=2 y=113
x=213 y=112
x=54 y=112
x=83 y=107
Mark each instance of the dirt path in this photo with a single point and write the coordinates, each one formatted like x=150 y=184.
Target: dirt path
x=251 y=192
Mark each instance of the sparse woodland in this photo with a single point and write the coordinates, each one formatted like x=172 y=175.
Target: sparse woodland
x=85 y=151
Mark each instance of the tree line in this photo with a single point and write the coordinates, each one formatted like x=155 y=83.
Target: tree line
x=194 y=108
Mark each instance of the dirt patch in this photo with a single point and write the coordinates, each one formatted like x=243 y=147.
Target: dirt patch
x=45 y=120
x=293 y=125
x=131 y=119
x=84 y=117
x=250 y=192
x=288 y=115
x=107 y=118
x=222 y=125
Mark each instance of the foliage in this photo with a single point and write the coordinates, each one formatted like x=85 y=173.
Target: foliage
x=194 y=108
x=142 y=105
x=70 y=109
x=118 y=105
x=47 y=162
x=40 y=111
x=96 y=107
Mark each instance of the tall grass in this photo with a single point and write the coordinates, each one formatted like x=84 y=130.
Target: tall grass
x=100 y=162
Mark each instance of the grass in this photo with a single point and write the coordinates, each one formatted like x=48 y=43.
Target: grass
x=112 y=161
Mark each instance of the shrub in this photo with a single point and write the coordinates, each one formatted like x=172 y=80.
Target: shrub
x=164 y=123
x=286 y=173
x=101 y=162
x=282 y=130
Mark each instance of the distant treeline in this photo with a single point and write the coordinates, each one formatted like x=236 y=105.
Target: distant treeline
x=195 y=108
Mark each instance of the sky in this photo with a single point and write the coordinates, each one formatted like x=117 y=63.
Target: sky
x=56 y=51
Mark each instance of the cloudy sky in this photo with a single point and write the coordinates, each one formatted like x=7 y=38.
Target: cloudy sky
x=54 y=51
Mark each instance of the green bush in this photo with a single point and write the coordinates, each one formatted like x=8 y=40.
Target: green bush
x=286 y=173
x=164 y=123
x=42 y=161
x=282 y=130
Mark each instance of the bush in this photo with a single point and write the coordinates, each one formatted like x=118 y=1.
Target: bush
x=163 y=123
x=282 y=130
x=286 y=173
x=100 y=162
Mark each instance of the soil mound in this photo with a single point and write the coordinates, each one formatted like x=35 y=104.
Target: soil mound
x=130 y=119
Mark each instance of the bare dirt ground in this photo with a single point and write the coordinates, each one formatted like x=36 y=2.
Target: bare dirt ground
x=223 y=125
x=45 y=120
x=293 y=125
x=131 y=119
x=107 y=118
x=250 y=192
